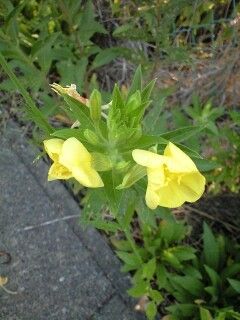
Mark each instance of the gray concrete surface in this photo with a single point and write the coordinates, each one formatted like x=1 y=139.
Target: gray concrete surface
x=58 y=270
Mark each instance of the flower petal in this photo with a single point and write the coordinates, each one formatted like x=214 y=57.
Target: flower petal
x=57 y=171
x=193 y=186
x=152 y=198
x=53 y=148
x=156 y=175
x=73 y=154
x=148 y=158
x=170 y=195
x=190 y=188
x=87 y=176
x=178 y=161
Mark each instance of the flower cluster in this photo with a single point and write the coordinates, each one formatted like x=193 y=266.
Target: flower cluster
x=173 y=178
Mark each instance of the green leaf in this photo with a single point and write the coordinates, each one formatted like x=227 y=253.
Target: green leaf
x=183 y=253
x=139 y=289
x=68 y=133
x=122 y=245
x=105 y=225
x=136 y=173
x=206 y=165
x=205 y=314
x=87 y=25
x=129 y=258
x=151 y=310
x=182 y=134
x=80 y=112
x=210 y=248
x=156 y=296
x=149 y=269
x=161 y=273
x=107 y=55
x=231 y=270
x=148 y=140
x=182 y=310
x=136 y=82
x=146 y=92
x=101 y=162
x=214 y=277
x=190 y=284
x=32 y=110
x=235 y=284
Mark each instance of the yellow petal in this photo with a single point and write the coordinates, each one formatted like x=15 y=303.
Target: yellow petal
x=152 y=198
x=178 y=161
x=189 y=187
x=148 y=158
x=87 y=176
x=53 y=148
x=192 y=185
x=58 y=171
x=156 y=175
x=73 y=154
x=171 y=196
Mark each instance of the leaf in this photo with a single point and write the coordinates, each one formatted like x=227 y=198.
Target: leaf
x=105 y=56
x=129 y=258
x=151 y=310
x=206 y=165
x=136 y=82
x=148 y=140
x=210 y=248
x=235 y=284
x=149 y=269
x=87 y=25
x=190 y=284
x=139 y=289
x=101 y=162
x=182 y=134
x=80 y=112
x=32 y=110
x=156 y=296
x=146 y=92
x=205 y=314
x=182 y=310
x=161 y=274
x=136 y=173
x=214 y=277
x=105 y=225
x=183 y=253
x=122 y=245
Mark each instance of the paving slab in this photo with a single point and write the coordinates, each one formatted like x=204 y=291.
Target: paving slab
x=58 y=270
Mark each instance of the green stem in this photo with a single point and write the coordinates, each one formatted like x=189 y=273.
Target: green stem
x=31 y=108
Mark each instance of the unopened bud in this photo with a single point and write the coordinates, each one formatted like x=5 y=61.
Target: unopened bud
x=95 y=105
x=91 y=137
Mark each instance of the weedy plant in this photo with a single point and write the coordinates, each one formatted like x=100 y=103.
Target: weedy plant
x=210 y=286
x=109 y=151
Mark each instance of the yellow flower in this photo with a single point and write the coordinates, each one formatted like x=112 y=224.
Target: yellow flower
x=173 y=178
x=71 y=159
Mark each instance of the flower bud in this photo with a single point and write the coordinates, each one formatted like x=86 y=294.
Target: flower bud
x=95 y=106
x=91 y=137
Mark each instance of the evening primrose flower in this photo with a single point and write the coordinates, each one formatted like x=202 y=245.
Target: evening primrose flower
x=71 y=160
x=173 y=178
